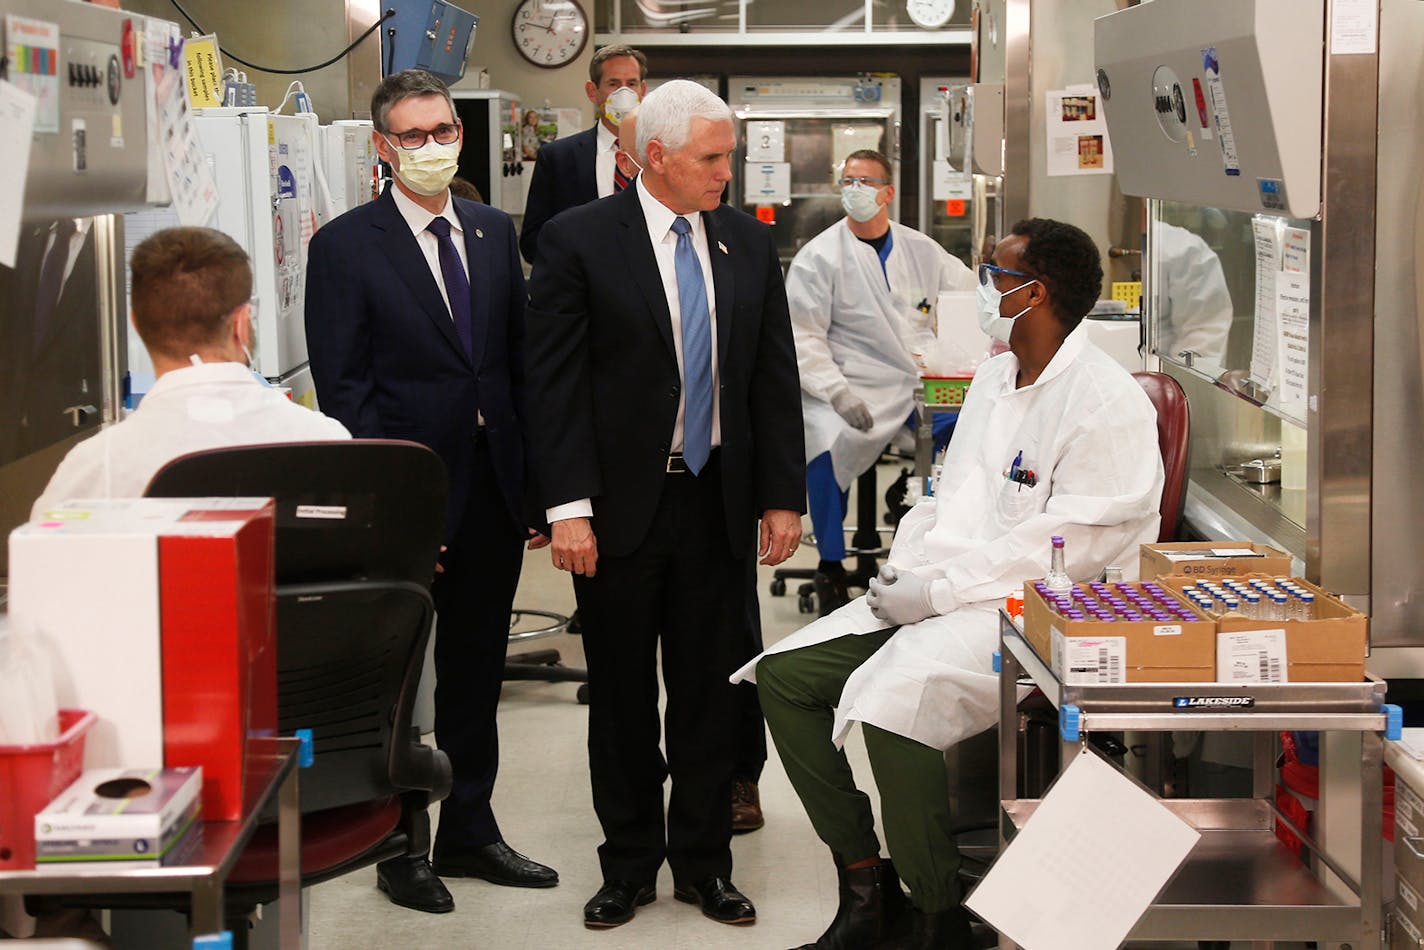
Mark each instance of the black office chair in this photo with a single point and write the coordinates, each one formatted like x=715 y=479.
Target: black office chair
x=358 y=531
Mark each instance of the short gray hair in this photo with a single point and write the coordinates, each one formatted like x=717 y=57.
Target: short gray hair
x=406 y=84
x=667 y=113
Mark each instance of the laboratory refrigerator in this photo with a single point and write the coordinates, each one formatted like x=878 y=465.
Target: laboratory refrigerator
x=793 y=135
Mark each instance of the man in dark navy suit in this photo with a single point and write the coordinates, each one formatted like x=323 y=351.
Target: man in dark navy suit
x=664 y=424
x=415 y=321
x=579 y=168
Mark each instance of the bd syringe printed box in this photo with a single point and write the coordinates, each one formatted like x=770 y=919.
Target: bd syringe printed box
x=1092 y=650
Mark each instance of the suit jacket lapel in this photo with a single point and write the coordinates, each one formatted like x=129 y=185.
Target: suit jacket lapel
x=410 y=265
x=587 y=164
x=722 y=282
x=642 y=265
x=477 y=257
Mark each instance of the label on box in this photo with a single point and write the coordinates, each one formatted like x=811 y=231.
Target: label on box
x=1407 y=809
x=1251 y=656
x=1085 y=661
x=1167 y=630
x=1408 y=897
x=1409 y=929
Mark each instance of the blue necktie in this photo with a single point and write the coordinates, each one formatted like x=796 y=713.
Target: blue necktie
x=457 y=285
x=696 y=350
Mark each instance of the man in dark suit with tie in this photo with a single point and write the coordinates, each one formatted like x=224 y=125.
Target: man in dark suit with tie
x=579 y=168
x=415 y=321
x=664 y=420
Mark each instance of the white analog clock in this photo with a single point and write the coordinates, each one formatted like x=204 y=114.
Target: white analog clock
x=930 y=14
x=550 y=33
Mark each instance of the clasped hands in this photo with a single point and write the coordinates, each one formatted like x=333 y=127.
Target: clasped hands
x=899 y=598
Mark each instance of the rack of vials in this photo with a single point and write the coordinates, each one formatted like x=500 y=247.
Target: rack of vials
x=1257 y=598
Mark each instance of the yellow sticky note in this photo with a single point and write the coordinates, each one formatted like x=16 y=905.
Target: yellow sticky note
x=203 y=69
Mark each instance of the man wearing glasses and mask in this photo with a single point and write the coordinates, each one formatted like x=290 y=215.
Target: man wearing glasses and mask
x=912 y=660
x=862 y=296
x=414 y=319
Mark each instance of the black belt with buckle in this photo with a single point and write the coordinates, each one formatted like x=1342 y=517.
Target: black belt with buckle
x=677 y=465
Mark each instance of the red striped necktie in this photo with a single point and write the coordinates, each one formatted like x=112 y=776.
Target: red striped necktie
x=620 y=180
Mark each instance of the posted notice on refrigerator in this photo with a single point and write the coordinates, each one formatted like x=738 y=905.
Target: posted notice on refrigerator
x=768 y=183
x=17 y=109
x=190 y=179
x=32 y=50
x=766 y=141
x=1077 y=132
x=1293 y=340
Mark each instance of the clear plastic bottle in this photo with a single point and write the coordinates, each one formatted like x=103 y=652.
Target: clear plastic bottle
x=1278 y=606
x=1307 y=605
x=1058 y=579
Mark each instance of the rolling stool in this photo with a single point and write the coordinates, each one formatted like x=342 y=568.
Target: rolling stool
x=864 y=545
x=544 y=666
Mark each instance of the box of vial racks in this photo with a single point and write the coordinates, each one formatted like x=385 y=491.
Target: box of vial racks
x=158 y=615
x=120 y=818
x=1255 y=645
x=1119 y=633
x=1211 y=559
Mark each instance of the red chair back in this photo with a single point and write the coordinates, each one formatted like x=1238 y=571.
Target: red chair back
x=1174 y=424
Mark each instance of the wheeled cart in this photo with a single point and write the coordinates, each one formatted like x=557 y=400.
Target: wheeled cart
x=1239 y=882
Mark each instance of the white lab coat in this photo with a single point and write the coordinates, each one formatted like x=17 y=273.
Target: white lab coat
x=1089 y=433
x=209 y=406
x=1194 y=309
x=851 y=330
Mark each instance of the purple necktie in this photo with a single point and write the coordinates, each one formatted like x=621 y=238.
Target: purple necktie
x=457 y=285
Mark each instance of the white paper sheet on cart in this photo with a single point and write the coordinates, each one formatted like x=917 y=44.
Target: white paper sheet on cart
x=1092 y=858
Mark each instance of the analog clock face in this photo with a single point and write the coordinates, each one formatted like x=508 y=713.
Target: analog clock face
x=550 y=33
x=930 y=14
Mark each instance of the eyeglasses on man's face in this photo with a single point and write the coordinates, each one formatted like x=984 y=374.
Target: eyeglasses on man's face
x=411 y=139
x=848 y=180
x=987 y=273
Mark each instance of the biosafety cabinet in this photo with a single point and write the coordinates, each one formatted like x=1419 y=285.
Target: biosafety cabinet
x=1279 y=143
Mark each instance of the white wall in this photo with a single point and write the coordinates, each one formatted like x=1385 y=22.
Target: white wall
x=494 y=50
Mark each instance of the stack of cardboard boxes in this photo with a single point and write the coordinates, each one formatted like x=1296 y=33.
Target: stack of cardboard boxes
x=1227 y=647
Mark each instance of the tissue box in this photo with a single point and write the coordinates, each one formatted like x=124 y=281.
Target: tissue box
x=159 y=617
x=120 y=817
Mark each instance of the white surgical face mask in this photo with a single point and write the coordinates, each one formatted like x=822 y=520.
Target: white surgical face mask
x=619 y=103
x=991 y=321
x=861 y=202
x=427 y=170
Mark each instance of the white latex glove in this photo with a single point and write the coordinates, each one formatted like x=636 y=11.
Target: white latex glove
x=852 y=409
x=899 y=598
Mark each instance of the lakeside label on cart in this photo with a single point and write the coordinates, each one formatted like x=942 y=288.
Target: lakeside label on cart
x=1213 y=702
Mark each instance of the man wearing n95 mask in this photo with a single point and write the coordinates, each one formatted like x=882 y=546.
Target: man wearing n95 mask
x=912 y=661
x=862 y=296
x=580 y=168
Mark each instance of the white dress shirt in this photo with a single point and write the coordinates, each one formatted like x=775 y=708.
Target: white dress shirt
x=419 y=220
x=603 y=161
x=659 y=219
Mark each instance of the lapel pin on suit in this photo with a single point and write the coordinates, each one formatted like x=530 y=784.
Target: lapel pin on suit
x=479 y=233
x=721 y=247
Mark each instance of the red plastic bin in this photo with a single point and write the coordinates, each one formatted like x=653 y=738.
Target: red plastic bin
x=30 y=778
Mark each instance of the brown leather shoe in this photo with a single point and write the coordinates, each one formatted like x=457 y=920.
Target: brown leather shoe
x=746 y=807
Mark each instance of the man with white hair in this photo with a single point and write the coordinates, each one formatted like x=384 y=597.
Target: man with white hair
x=663 y=421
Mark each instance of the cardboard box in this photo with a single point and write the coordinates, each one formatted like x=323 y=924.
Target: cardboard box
x=158 y=615
x=1329 y=649
x=119 y=817
x=1196 y=559
x=1093 y=651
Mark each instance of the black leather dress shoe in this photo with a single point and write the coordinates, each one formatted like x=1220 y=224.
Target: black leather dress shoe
x=720 y=900
x=616 y=902
x=410 y=882
x=497 y=863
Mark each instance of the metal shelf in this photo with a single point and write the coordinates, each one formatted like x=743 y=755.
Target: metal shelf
x=1239 y=882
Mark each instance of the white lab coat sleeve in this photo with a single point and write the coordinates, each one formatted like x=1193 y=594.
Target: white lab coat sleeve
x=1105 y=490
x=810 y=292
x=954 y=275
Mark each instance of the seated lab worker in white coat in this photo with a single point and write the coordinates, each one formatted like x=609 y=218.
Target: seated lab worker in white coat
x=1193 y=301
x=191 y=302
x=912 y=661
x=862 y=295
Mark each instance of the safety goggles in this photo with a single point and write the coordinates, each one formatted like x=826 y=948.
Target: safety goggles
x=849 y=180
x=988 y=271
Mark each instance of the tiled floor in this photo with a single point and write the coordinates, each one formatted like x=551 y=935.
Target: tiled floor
x=543 y=804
